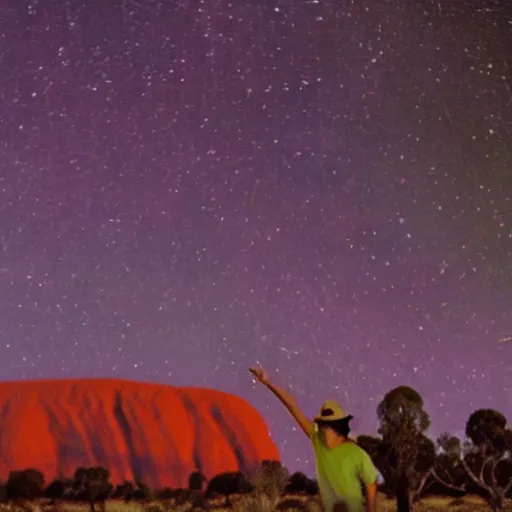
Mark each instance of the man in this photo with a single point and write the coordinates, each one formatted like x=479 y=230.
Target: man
x=341 y=464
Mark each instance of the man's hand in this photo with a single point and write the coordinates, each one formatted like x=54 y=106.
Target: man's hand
x=286 y=399
x=260 y=375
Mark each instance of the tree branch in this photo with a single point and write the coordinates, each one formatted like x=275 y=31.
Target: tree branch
x=480 y=482
x=454 y=487
x=508 y=487
x=482 y=467
x=423 y=481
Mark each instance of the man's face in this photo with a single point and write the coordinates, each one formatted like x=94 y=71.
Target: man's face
x=328 y=436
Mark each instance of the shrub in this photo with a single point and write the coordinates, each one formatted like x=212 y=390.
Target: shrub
x=291 y=504
x=25 y=485
x=271 y=479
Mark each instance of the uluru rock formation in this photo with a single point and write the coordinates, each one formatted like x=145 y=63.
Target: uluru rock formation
x=153 y=433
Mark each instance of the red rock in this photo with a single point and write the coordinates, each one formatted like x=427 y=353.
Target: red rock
x=154 y=433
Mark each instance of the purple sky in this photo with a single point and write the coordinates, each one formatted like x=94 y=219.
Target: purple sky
x=190 y=187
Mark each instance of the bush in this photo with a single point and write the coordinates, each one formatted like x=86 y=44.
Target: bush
x=196 y=481
x=164 y=494
x=298 y=483
x=55 y=490
x=25 y=485
x=291 y=504
x=227 y=484
x=271 y=480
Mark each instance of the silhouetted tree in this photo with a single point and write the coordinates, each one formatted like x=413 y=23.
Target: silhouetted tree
x=124 y=491
x=226 y=484
x=298 y=483
x=141 y=492
x=25 y=485
x=504 y=474
x=382 y=456
x=196 y=481
x=55 y=490
x=312 y=489
x=387 y=462
x=164 y=494
x=92 y=485
x=193 y=498
x=448 y=468
x=484 y=460
x=406 y=455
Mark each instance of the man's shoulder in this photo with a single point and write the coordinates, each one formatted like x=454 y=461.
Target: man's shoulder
x=315 y=439
x=354 y=448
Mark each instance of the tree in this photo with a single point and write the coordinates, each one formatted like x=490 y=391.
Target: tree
x=381 y=455
x=448 y=468
x=196 y=481
x=55 y=491
x=504 y=474
x=387 y=462
x=485 y=460
x=298 y=483
x=124 y=491
x=227 y=484
x=25 y=485
x=141 y=492
x=405 y=453
x=183 y=496
x=164 y=494
x=312 y=489
x=92 y=485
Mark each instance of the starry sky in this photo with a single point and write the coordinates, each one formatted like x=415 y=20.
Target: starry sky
x=192 y=187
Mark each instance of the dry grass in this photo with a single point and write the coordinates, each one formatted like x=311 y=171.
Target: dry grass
x=254 y=503
x=443 y=504
x=258 y=503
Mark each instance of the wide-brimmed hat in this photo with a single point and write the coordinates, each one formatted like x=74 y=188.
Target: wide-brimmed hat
x=331 y=411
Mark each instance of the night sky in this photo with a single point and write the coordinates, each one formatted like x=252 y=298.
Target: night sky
x=189 y=188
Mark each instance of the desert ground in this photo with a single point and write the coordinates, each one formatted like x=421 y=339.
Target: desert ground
x=431 y=504
x=240 y=504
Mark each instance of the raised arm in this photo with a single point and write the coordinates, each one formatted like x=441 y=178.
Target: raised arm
x=286 y=399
